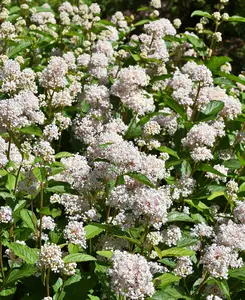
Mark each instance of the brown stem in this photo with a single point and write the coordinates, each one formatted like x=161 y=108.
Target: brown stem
x=1 y=258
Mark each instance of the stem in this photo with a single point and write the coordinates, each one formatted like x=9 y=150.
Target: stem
x=9 y=148
x=47 y=282
x=213 y=40
x=33 y=219
x=1 y=258
x=193 y=115
x=18 y=174
x=41 y=216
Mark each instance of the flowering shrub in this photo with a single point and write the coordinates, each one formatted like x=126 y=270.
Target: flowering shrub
x=122 y=156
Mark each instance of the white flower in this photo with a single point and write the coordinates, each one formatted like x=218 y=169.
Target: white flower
x=5 y=214
x=156 y=3
x=183 y=266
x=51 y=257
x=75 y=233
x=131 y=276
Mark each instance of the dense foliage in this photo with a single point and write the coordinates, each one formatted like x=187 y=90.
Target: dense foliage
x=122 y=155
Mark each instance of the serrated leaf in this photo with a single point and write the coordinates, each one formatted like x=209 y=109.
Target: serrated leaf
x=213 y=107
x=3 y=173
x=10 y=182
x=129 y=239
x=177 y=252
x=216 y=194
x=19 y=48
x=28 y=218
x=176 y=216
x=201 y=13
x=230 y=76
x=8 y=292
x=236 y=19
x=142 y=22
x=166 y=279
x=18 y=207
x=63 y=154
x=135 y=56
x=40 y=173
x=107 y=254
x=92 y=231
x=141 y=178
x=73 y=248
x=215 y=62
x=29 y=255
x=78 y=257
x=176 y=107
x=207 y=168
x=233 y=164
x=32 y=129
x=238 y=273
x=168 y=150
x=17 y=274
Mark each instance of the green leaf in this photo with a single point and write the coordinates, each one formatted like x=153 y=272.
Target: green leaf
x=177 y=252
x=238 y=273
x=40 y=173
x=43 y=9
x=10 y=182
x=92 y=231
x=176 y=216
x=3 y=173
x=78 y=257
x=133 y=130
x=29 y=255
x=230 y=76
x=135 y=56
x=233 y=164
x=141 y=178
x=59 y=188
x=176 y=107
x=186 y=242
x=63 y=154
x=166 y=279
x=213 y=107
x=73 y=248
x=32 y=129
x=197 y=204
x=28 y=218
x=142 y=22
x=207 y=168
x=224 y=288
x=236 y=19
x=201 y=13
x=169 y=293
x=17 y=274
x=215 y=62
x=216 y=194
x=168 y=150
x=91 y=297
x=8 y=292
x=19 y=48
x=196 y=42
x=18 y=207
x=107 y=254
x=14 y=9
x=6 y=195
x=129 y=239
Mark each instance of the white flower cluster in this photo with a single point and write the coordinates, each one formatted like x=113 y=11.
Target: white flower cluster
x=217 y=259
x=131 y=276
x=51 y=257
x=75 y=233
x=6 y=214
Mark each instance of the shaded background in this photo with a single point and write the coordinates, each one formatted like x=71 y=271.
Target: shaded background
x=233 y=44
